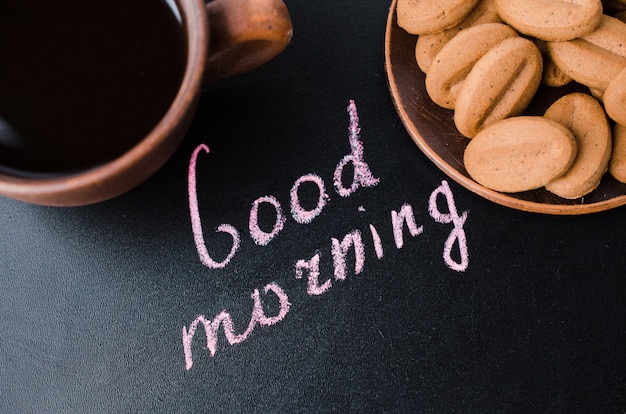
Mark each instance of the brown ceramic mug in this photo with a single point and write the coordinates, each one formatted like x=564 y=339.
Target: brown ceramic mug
x=221 y=38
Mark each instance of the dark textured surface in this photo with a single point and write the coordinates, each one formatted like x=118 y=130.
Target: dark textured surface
x=93 y=300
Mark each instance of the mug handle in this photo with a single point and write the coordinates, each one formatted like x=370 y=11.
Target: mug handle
x=244 y=34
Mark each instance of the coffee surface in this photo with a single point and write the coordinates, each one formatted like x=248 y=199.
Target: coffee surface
x=82 y=82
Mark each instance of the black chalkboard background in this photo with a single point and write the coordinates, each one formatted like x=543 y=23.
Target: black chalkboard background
x=93 y=300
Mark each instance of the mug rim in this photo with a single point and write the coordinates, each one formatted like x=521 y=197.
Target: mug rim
x=141 y=161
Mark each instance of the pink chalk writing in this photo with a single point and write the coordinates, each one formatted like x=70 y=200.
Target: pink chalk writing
x=196 y=224
x=362 y=174
x=378 y=245
x=224 y=319
x=457 y=234
x=362 y=177
x=352 y=244
x=340 y=251
x=299 y=214
x=259 y=236
x=312 y=266
x=398 y=219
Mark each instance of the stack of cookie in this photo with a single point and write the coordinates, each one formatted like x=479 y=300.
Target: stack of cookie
x=486 y=59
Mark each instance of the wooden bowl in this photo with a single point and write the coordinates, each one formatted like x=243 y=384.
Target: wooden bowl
x=433 y=130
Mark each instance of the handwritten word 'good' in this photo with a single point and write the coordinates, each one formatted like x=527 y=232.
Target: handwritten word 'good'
x=340 y=249
x=362 y=177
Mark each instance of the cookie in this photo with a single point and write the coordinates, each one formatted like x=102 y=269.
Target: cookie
x=432 y=16
x=614 y=98
x=500 y=85
x=520 y=154
x=552 y=75
x=596 y=93
x=585 y=118
x=617 y=164
x=455 y=60
x=429 y=45
x=549 y=19
x=596 y=58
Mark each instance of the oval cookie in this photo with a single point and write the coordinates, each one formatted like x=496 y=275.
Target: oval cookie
x=431 y=16
x=596 y=58
x=585 y=118
x=520 y=153
x=501 y=84
x=455 y=60
x=617 y=164
x=552 y=75
x=549 y=19
x=429 y=45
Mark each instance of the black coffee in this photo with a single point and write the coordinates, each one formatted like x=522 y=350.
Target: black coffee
x=83 y=81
